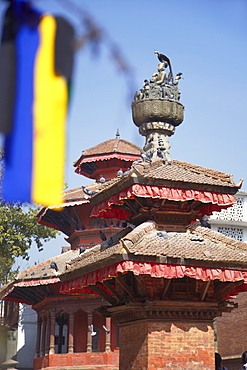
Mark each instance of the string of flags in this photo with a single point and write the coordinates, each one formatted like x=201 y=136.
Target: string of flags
x=36 y=63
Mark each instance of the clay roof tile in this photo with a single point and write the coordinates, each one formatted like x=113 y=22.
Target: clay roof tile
x=110 y=146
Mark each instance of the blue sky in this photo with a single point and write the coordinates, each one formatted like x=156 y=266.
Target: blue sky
x=206 y=40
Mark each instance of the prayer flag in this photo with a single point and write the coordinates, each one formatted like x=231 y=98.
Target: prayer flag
x=38 y=66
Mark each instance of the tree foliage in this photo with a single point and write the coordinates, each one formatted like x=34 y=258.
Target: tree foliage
x=18 y=230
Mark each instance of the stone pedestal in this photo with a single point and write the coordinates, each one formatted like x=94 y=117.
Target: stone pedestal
x=172 y=335
x=157 y=119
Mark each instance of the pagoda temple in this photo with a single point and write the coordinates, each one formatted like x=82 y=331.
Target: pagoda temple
x=142 y=254
x=69 y=330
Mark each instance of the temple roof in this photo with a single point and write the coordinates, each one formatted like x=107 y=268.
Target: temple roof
x=199 y=246
x=109 y=146
x=40 y=276
x=151 y=186
x=200 y=249
x=175 y=171
x=187 y=172
x=43 y=270
x=73 y=197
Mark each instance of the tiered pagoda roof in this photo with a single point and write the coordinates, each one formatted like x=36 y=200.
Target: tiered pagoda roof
x=199 y=253
x=111 y=154
x=163 y=191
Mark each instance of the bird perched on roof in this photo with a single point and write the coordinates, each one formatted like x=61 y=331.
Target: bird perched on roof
x=145 y=157
x=82 y=249
x=105 y=328
x=110 y=241
x=102 y=236
x=88 y=191
x=120 y=173
x=93 y=333
x=161 y=154
x=101 y=179
x=204 y=222
x=162 y=234
x=125 y=174
x=53 y=265
x=136 y=161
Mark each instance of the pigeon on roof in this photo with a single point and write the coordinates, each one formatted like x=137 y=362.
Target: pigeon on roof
x=102 y=179
x=88 y=191
x=53 y=265
x=162 y=234
x=102 y=236
x=120 y=173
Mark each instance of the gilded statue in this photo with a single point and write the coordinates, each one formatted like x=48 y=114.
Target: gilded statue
x=162 y=85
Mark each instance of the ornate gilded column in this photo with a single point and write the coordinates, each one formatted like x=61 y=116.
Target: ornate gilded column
x=108 y=335
x=52 y=333
x=39 y=323
x=44 y=326
x=71 y=333
x=89 y=333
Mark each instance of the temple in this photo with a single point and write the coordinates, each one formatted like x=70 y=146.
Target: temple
x=145 y=276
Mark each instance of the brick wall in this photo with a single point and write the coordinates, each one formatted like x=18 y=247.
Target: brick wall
x=162 y=345
x=79 y=361
x=232 y=333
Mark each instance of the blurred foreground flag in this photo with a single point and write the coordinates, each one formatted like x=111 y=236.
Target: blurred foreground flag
x=36 y=61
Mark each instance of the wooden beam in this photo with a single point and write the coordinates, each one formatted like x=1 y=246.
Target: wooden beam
x=106 y=163
x=139 y=201
x=46 y=290
x=167 y=283
x=39 y=293
x=104 y=222
x=113 y=291
x=105 y=295
x=66 y=214
x=56 y=222
x=193 y=205
x=85 y=167
x=204 y=290
x=27 y=297
x=163 y=202
x=128 y=203
x=125 y=286
x=94 y=165
x=79 y=220
x=183 y=205
x=225 y=288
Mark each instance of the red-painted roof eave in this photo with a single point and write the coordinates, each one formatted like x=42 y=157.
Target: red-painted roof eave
x=212 y=201
x=79 y=285
x=103 y=157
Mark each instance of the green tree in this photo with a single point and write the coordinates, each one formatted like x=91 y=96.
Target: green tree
x=18 y=230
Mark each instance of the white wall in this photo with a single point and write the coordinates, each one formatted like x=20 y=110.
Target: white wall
x=26 y=343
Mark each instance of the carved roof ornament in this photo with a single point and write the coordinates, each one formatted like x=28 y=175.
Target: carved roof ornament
x=157 y=109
